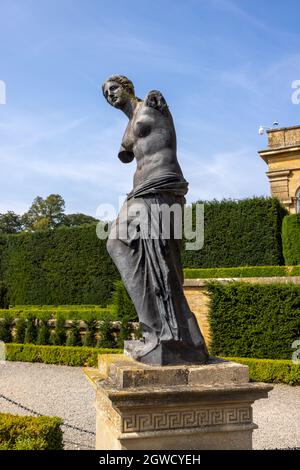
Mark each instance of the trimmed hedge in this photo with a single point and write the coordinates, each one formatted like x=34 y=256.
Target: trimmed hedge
x=6 y=329
x=61 y=266
x=4 y=303
x=122 y=305
x=61 y=355
x=30 y=433
x=254 y=320
x=240 y=233
x=76 y=312
x=72 y=266
x=291 y=239
x=243 y=271
x=260 y=370
x=270 y=371
x=91 y=333
x=65 y=329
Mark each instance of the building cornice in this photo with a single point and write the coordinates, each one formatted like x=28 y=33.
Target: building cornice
x=280 y=152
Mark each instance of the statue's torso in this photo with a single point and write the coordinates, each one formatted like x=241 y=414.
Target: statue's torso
x=151 y=137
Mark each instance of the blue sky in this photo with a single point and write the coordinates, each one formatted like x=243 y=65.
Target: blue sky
x=224 y=67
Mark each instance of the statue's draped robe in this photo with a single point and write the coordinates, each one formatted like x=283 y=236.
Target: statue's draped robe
x=151 y=267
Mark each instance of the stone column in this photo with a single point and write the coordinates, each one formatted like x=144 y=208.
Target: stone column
x=142 y=407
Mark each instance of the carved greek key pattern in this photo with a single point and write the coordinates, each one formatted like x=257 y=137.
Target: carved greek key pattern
x=184 y=419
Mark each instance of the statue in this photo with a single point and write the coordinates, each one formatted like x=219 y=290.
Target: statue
x=150 y=267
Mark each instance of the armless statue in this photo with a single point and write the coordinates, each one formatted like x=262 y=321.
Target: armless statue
x=150 y=266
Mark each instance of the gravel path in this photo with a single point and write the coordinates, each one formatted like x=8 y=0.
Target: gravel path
x=53 y=391
x=64 y=391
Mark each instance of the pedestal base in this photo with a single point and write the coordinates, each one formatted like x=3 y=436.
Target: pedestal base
x=166 y=352
x=173 y=407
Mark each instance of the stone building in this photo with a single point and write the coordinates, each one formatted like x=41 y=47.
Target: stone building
x=283 y=159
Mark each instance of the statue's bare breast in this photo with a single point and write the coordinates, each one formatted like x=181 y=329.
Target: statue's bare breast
x=151 y=139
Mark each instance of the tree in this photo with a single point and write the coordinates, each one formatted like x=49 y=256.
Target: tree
x=43 y=333
x=126 y=332
x=91 y=330
x=58 y=337
x=5 y=329
x=107 y=338
x=122 y=303
x=44 y=213
x=31 y=331
x=20 y=330
x=72 y=220
x=4 y=300
x=10 y=222
x=74 y=338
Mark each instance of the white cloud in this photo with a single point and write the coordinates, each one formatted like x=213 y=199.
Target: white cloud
x=235 y=174
x=233 y=7
x=91 y=170
x=32 y=161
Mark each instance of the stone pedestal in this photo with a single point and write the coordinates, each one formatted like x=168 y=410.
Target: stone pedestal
x=142 y=407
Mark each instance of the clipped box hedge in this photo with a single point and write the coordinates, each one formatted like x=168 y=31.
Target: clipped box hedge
x=62 y=355
x=67 y=312
x=30 y=433
x=260 y=370
x=270 y=370
x=291 y=239
x=242 y=271
x=254 y=320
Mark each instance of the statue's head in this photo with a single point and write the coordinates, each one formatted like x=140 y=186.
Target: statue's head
x=117 y=89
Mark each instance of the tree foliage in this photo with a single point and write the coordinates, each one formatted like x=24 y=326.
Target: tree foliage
x=73 y=220
x=10 y=222
x=45 y=213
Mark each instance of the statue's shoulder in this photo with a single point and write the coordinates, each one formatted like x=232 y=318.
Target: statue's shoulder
x=155 y=99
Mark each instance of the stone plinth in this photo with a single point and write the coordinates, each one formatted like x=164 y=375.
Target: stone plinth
x=173 y=407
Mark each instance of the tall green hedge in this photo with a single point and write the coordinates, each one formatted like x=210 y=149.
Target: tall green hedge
x=254 y=320
x=240 y=233
x=62 y=266
x=72 y=266
x=4 y=303
x=3 y=287
x=291 y=239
